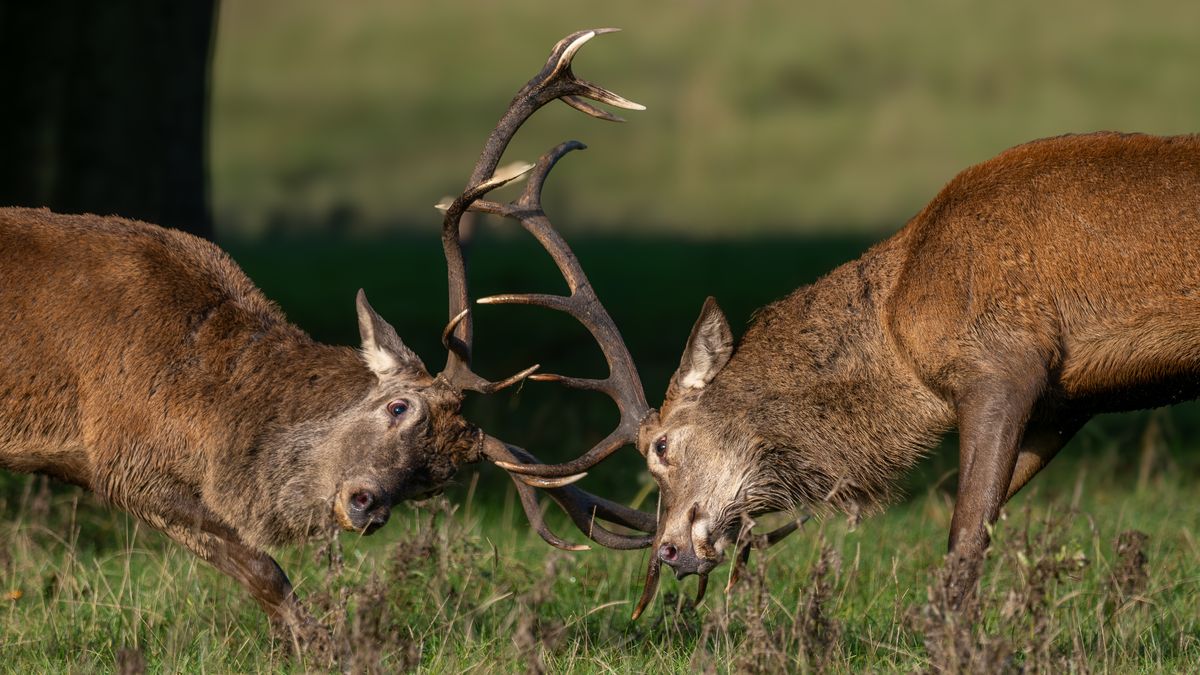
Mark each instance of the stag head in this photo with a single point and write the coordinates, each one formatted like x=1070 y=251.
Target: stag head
x=689 y=535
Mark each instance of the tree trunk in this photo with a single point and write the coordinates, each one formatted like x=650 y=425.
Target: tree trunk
x=104 y=108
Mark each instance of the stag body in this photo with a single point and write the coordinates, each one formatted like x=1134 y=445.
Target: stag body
x=142 y=364
x=1054 y=282
x=1057 y=281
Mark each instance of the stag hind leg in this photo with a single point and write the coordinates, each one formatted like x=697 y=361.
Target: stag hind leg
x=1039 y=444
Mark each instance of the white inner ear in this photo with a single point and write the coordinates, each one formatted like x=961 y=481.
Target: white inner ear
x=379 y=360
x=709 y=350
x=697 y=376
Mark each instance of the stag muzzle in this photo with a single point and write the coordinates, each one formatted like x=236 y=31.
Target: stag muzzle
x=684 y=560
x=362 y=507
x=687 y=552
x=690 y=551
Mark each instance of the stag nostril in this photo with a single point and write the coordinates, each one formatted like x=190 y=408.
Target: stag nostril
x=361 y=501
x=668 y=553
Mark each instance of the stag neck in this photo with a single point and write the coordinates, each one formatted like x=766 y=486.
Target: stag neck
x=306 y=380
x=822 y=374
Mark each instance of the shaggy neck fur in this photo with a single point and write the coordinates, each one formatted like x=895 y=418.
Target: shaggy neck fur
x=832 y=413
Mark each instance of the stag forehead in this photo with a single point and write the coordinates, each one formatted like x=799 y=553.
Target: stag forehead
x=708 y=417
x=432 y=390
x=715 y=460
x=706 y=450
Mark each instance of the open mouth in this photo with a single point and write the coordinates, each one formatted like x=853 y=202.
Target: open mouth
x=703 y=567
x=373 y=525
x=363 y=523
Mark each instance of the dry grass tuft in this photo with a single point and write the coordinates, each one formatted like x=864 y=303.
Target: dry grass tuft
x=1011 y=628
x=1129 y=574
x=536 y=634
x=757 y=635
x=130 y=662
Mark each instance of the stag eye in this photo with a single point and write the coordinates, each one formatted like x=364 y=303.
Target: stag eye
x=397 y=408
x=660 y=447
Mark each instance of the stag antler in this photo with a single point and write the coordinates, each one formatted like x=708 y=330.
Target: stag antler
x=622 y=385
x=555 y=81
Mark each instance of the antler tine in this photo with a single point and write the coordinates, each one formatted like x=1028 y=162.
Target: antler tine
x=584 y=508
x=622 y=385
x=533 y=511
x=555 y=80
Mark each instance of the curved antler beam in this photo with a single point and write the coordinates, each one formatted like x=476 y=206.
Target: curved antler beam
x=583 y=508
x=555 y=80
x=622 y=384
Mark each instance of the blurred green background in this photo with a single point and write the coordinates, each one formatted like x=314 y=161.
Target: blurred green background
x=780 y=140
x=763 y=117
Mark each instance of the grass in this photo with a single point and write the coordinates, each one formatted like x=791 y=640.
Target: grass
x=766 y=117
x=461 y=585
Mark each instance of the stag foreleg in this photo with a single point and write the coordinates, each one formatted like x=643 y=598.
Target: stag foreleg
x=255 y=570
x=993 y=414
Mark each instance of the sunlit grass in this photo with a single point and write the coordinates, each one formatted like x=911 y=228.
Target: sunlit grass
x=466 y=585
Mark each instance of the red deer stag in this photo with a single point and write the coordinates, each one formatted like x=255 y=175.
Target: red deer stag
x=1054 y=282
x=142 y=364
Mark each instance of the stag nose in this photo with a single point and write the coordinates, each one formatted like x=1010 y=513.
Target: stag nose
x=361 y=500
x=683 y=560
x=365 y=508
x=668 y=553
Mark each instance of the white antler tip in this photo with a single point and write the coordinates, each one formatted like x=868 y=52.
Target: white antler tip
x=541 y=482
x=512 y=171
x=569 y=52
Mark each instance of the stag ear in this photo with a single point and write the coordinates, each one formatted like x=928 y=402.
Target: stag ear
x=382 y=349
x=708 y=348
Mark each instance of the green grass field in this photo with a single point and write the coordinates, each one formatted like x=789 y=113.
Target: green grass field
x=466 y=586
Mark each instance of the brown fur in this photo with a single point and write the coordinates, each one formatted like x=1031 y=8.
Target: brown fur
x=142 y=364
x=1056 y=281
